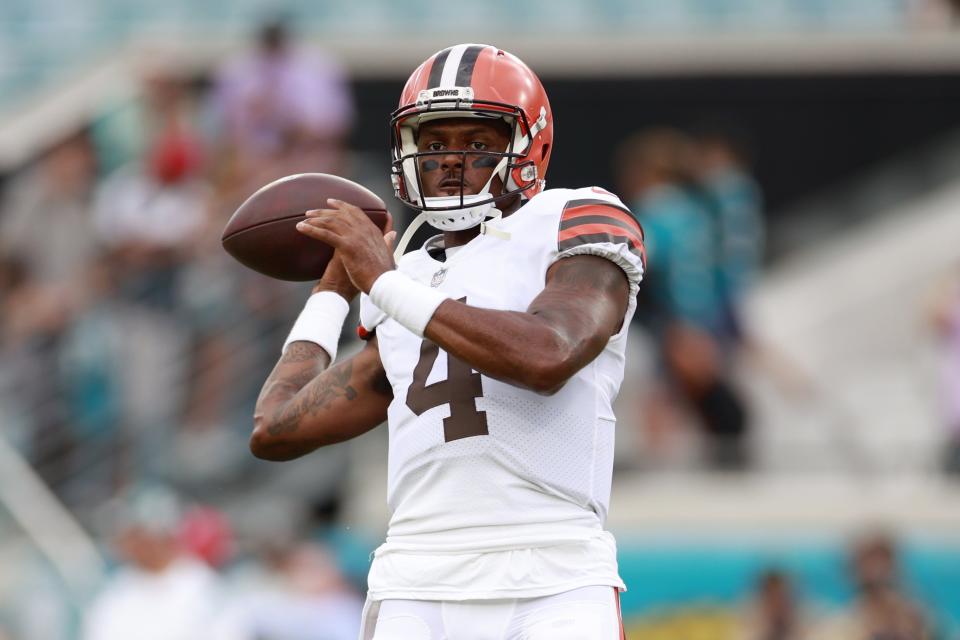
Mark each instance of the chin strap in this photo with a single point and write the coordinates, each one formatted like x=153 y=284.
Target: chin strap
x=485 y=229
x=408 y=235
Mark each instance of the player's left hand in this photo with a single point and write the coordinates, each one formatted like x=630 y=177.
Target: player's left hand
x=366 y=253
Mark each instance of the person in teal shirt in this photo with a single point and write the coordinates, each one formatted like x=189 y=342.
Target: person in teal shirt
x=684 y=306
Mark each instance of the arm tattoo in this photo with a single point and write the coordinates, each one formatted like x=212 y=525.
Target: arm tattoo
x=318 y=394
x=301 y=351
x=300 y=363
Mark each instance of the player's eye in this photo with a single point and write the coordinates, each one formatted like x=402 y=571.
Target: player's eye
x=478 y=146
x=435 y=146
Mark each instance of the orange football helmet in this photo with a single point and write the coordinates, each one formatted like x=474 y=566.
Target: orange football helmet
x=473 y=80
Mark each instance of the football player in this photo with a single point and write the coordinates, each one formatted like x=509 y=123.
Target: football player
x=494 y=354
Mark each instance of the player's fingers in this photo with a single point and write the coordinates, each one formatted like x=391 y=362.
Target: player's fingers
x=315 y=229
x=322 y=213
x=343 y=219
x=345 y=207
x=335 y=222
x=333 y=219
x=340 y=204
x=390 y=238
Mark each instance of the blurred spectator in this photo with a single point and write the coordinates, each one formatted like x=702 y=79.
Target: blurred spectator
x=159 y=592
x=734 y=200
x=206 y=533
x=774 y=613
x=33 y=314
x=656 y=174
x=684 y=308
x=92 y=381
x=33 y=317
x=46 y=220
x=147 y=212
x=300 y=595
x=946 y=320
x=280 y=109
x=49 y=250
x=882 y=610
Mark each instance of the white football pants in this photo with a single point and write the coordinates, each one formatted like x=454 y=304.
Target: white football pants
x=589 y=613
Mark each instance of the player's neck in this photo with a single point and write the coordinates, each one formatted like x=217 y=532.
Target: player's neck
x=462 y=237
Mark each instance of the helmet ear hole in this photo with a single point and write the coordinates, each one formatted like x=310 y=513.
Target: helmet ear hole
x=545 y=151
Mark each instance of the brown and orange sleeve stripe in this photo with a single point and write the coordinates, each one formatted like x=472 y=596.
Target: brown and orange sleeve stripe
x=593 y=220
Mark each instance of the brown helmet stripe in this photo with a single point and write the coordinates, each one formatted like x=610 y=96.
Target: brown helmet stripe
x=436 y=69
x=467 y=63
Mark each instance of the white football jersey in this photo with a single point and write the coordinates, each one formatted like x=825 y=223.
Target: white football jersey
x=497 y=491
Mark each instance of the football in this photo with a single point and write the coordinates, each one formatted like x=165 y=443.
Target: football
x=262 y=233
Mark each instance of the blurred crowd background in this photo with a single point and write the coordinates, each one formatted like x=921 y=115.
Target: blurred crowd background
x=789 y=428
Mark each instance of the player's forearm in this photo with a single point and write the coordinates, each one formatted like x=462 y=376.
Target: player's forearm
x=276 y=414
x=338 y=403
x=519 y=348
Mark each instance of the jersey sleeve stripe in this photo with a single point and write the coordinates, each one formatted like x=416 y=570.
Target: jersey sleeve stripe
x=591 y=220
x=573 y=204
x=609 y=234
x=593 y=229
x=592 y=207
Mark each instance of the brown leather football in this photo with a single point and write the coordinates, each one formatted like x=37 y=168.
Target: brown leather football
x=262 y=233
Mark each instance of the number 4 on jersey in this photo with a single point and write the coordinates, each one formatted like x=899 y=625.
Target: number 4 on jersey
x=460 y=390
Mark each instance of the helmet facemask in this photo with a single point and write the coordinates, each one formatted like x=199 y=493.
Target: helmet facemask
x=517 y=173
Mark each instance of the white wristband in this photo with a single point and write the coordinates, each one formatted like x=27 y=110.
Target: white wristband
x=321 y=322
x=405 y=300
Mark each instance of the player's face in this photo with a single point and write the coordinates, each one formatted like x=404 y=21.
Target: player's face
x=441 y=173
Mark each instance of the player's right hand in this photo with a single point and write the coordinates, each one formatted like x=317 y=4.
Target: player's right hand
x=335 y=278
